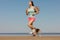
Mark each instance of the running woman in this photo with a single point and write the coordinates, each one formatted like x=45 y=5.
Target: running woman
x=31 y=11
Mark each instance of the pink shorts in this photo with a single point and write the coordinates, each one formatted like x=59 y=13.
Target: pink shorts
x=31 y=18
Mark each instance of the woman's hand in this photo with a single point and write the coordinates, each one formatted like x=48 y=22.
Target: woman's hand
x=36 y=10
x=26 y=11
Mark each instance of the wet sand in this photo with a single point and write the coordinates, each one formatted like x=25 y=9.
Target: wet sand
x=29 y=38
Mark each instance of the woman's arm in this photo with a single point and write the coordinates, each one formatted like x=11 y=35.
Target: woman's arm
x=26 y=11
x=36 y=10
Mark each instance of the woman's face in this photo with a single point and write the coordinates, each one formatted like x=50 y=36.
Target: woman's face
x=30 y=4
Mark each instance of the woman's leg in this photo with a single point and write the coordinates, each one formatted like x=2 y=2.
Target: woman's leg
x=30 y=24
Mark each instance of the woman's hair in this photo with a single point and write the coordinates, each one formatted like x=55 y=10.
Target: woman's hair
x=32 y=3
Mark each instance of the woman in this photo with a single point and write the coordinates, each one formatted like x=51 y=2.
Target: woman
x=31 y=12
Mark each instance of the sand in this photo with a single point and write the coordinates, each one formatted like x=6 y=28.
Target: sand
x=29 y=38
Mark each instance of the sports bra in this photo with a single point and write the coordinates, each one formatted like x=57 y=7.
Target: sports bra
x=31 y=12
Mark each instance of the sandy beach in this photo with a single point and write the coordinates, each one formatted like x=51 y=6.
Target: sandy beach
x=29 y=38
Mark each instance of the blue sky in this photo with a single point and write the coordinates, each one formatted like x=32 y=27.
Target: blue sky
x=13 y=18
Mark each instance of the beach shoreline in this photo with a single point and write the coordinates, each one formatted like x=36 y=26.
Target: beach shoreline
x=29 y=38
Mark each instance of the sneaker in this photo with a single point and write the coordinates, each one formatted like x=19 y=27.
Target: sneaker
x=37 y=30
x=34 y=32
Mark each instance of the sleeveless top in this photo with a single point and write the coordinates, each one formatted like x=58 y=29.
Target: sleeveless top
x=31 y=12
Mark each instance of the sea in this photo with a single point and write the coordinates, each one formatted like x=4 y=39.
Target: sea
x=29 y=34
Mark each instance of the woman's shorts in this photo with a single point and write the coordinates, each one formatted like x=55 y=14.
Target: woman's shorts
x=31 y=18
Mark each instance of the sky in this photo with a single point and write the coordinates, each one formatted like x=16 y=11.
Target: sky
x=13 y=18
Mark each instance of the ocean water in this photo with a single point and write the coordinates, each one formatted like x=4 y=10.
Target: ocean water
x=29 y=34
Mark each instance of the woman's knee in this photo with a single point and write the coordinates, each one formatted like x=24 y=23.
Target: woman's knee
x=28 y=24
